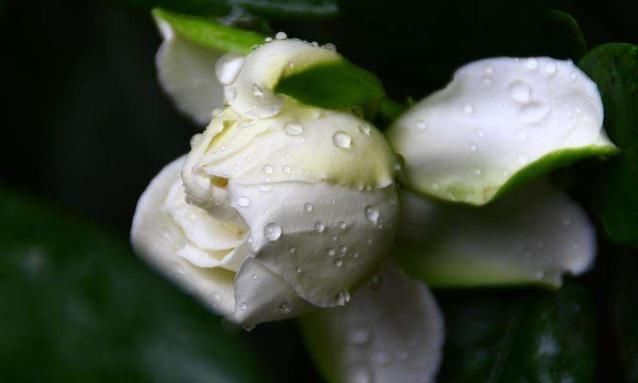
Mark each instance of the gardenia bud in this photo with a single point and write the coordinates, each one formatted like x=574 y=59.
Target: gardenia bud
x=272 y=214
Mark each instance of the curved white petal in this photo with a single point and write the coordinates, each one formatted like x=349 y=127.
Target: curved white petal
x=251 y=94
x=497 y=118
x=303 y=144
x=323 y=239
x=390 y=332
x=263 y=296
x=534 y=235
x=186 y=72
x=159 y=239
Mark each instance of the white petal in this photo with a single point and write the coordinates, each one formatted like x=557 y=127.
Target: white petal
x=186 y=72
x=494 y=120
x=251 y=94
x=531 y=236
x=158 y=239
x=322 y=239
x=307 y=145
x=392 y=332
x=263 y=296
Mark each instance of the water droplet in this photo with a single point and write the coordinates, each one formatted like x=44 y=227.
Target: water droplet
x=268 y=39
x=286 y=169
x=355 y=255
x=320 y=227
x=256 y=90
x=486 y=81
x=268 y=169
x=343 y=249
x=343 y=225
x=281 y=36
x=254 y=277
x=308 y=207
x=293 y=129
x=251 y=239
x=331 y=252
x=338 y=262
x=299 y=270
x=531 y=63
x=335 y=238
x=550 y=68
x=228 y=67
x=421 y=125
x=272 y=231
x=285 y=308
x=243 y=306
x=265 y=188
x=534 y=113
x=330 y=47
x=365 y=129
x=342 y=140
x=488 y=69
x=359 y=337
x=468 y=108
x=314 y=44
x=520 y=92
x=342 y=297
x=243 y=201
x=372 y=214
x=292 y=249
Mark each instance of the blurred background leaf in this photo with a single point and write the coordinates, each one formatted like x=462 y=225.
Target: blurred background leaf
x=519 y=336
x=614 y=68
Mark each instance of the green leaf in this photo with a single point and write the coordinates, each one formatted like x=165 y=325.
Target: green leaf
x=208 y=33
x=614 y=68
x=77 y=306
x=332 y=85
x=623 y=268
x=519 y=336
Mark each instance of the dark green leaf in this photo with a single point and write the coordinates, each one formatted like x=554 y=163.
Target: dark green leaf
x=519 y=336
x=208 y=33
x=332 y=85
x=614 y=67
x=622 y=337
x=77 y=306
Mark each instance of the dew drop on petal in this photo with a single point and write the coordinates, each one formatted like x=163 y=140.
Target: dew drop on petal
x=268 y=169
x=372 y=214
x=520 y=92
x=320 y=227
x=243 y=201
x=293 y=129
x=468 y=108
x=272 y=231
x=308 y=207
x=281 y=36
x=342 y=140
x=338 y=262
x=421 y=125
x=342 y=297
x=285 y=308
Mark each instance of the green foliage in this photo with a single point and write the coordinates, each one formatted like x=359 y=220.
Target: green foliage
x=614 y=68
x=332 y=85
x=519 y=336
x=77 y=305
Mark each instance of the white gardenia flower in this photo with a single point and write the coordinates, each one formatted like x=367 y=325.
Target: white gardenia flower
x=279 y=207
